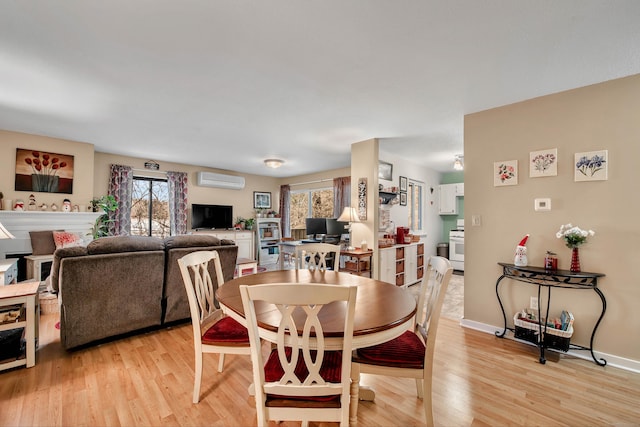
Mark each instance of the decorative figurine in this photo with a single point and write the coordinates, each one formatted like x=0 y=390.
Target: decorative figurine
x=66 y=205
x=18 y=205
x=75 y=208
x=32 y=202
x=54 y=207
x=520 y=259
x=44 y=207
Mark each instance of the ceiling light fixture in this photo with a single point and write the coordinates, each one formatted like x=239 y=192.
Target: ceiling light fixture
x=273 y=163
x=457 y=163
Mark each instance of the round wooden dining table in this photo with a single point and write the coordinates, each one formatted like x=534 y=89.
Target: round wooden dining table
x=383 y=311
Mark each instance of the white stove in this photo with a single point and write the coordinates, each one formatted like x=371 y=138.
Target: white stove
x=456 y=246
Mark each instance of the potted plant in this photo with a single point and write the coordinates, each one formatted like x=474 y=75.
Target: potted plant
x=106 y=204
x=240 y=223
x=249 y=223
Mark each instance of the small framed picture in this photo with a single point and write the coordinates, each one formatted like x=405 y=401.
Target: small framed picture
x=261 y=200
x=543 y=163
x=403 y=199
x=385 y=170
x=505 y=173
x=403 y=183
x=591 y=166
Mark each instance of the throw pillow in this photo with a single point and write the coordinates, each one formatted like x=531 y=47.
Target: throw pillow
x=42 y=242
x=65 y=239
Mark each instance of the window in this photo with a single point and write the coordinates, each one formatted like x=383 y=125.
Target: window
x=415 y=199
x=150 y=207
x=309 y=204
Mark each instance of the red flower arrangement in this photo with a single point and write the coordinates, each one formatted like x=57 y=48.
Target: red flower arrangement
x=45 y=170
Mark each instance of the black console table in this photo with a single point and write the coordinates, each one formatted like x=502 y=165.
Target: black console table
x=552 y=279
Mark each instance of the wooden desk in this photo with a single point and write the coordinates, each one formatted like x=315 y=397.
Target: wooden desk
x=25 y=294
x=383 y=311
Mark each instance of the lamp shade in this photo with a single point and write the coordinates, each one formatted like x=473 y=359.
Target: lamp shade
x=349 y=215
x=4 y=233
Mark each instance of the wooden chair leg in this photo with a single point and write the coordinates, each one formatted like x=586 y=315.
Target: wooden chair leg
x=220 y=362
x=198 y=378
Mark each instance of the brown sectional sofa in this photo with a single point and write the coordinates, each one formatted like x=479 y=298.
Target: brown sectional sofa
x=117 y=285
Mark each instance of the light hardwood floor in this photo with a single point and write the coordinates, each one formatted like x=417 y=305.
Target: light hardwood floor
x=147 y=380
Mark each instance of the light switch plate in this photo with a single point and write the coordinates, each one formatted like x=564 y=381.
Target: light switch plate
x=542 y=204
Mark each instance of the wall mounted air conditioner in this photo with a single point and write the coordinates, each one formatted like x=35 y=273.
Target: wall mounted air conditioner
x=218 y=180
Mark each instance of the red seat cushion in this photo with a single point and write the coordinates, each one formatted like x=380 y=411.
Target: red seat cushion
x=226 y=332
x=330 y=371
x=406 y=351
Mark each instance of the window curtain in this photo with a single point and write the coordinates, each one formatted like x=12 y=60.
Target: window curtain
x=177 y=202
x=341 y=194
x=121 y=187
x=285 y=199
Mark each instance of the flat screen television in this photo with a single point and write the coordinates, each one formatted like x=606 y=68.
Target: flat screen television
x=211 y=216
x=316 y=226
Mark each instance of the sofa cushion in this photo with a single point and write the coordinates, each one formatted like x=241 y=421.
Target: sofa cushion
x=117 y=244
x=42 y=242
x=58 y=255
x=190 y=240
x=65 y=239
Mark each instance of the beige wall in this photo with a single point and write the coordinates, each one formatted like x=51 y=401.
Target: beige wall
x=241 y=200
x=602 y=116
x=82 y=171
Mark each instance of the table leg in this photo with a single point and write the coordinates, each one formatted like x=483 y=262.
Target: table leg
x=601 y=362
x=31 y=331
x=504 y=316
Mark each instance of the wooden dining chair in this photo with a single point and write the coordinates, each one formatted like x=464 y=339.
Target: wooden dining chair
x=213 y=331
x=411 y=354
x=306 y=376
x=320 y=256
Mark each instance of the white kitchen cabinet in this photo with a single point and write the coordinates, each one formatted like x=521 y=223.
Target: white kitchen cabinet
x=410 y=264
x=388 y=265
x=448 y=198
x=448 y=205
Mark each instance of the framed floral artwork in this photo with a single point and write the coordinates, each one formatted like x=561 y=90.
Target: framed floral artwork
x=44 y=172
x=543 y=163
x=591 y=166
x=505 y=173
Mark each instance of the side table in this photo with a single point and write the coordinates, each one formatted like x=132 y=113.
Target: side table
x=24 y=294
x=34 y=265
x=356 y=262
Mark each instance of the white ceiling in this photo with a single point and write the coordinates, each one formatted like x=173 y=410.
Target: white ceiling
x=227 y=84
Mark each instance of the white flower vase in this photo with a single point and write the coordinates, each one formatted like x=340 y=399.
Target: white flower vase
x=520 y=259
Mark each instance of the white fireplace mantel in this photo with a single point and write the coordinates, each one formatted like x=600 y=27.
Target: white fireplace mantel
x=21 y=223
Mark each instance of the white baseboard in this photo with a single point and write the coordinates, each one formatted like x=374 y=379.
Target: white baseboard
x=612 y=360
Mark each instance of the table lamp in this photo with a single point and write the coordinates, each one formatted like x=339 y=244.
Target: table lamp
x=4 y=233
x=349 y=215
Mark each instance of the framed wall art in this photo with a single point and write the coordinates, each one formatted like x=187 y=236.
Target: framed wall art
x=591 y=166
x=505 y=173
x=543 y=163
x=403 y=198
x=44 y=172
x=385 y=170
x=403 y=183
x=261 y=200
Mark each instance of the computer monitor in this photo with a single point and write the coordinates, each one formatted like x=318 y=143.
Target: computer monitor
x=337 y=228
x=316 y=226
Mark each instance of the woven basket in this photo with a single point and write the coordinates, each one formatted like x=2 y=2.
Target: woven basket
x=48 y=303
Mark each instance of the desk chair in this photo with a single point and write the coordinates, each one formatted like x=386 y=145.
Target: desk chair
x=213 y=332
x=321 y=256
x=411 y=354
x=287 y=257
x=307 y=374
